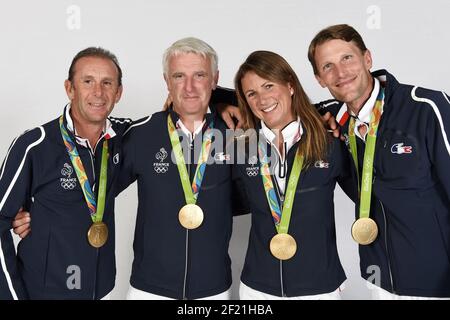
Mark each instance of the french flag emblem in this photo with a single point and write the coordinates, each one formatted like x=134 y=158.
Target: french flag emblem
x=399 y=148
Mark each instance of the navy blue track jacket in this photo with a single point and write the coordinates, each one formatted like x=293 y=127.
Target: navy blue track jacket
x=170 y=260
x=411 y=190
x=38 y=174
x=315 y=268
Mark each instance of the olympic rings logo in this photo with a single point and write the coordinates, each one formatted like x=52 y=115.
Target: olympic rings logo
x=252 y=171
x=68 y=184
x=160 y=167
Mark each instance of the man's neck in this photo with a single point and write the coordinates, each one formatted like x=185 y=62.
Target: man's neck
x=90 y=131
x=355 y=106
x=191 y=121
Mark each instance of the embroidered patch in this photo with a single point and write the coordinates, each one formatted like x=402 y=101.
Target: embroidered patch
x=253 y=170
x=399 y=148
x=161 y=166
x=220 y=156
x=67 y=182
x=321 y=164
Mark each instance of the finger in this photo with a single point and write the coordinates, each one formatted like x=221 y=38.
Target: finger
x=326 y=117
x=20 y=222
x=19 y=230
x=24 y=234
x=238 y=116
x=332 y=123
x=227 y=117
x=240 y=124
x=22 y=217
x=336 y=133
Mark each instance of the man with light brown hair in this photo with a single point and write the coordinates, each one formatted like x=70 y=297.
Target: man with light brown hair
x=398 y=137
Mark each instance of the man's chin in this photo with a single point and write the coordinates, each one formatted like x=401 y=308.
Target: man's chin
x=193 y=110
x=98 y=118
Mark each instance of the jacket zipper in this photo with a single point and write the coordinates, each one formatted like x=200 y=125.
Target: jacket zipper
x=191 y=147
x=281 y=279
x=97 y=249
x=387 y=249
x=282 y=171
x=391 y=278
x=281 y=197
x=95 y=274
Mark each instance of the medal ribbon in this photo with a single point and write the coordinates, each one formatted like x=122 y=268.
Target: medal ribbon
x=281 y=217
x=96 y=209
x=190 y=192
x=365 y=186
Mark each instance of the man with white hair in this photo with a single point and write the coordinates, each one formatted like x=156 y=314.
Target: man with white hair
x=184 y=218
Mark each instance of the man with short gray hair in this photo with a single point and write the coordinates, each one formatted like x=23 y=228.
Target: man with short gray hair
x=185 y=210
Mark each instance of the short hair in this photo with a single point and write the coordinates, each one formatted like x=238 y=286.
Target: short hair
x=95 y=52
x=335 y=32
x=191 y=45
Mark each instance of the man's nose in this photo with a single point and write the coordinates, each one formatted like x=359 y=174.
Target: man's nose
x=98 y=89
x=188 y=84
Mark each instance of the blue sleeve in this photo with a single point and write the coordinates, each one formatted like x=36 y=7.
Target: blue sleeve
x=346 y=177
x=127 y=173
x=332 y=106
x=16 y=177
x=438 y=140
x=222 y=95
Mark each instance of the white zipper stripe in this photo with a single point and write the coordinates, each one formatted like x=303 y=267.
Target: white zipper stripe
x=438 y=115
x=2 y=203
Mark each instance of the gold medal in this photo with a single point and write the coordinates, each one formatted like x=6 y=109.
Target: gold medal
x=283 y=246
x=191 y=216
x=97 y=234
x=364 y=231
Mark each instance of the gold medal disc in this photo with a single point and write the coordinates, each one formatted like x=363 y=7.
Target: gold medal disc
x=191 y=216
x=283 y=246
x=97 y=234
x=364 y=231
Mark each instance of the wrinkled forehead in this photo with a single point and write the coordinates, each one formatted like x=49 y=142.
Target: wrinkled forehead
x=335 y=48
x=93 y=65
x=189 y=61
x=336 y=45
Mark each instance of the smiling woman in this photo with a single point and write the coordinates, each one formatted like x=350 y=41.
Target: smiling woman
x=298 y=258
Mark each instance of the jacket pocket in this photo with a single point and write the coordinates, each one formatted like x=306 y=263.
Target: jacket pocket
x=443 y=222
x=68 y=260
x=397 y=155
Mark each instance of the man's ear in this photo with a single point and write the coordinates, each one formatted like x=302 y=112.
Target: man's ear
x=119 y=93
x=166 y=79
x=320 y=81
x=216 y=80
x=69 y=89
x=368 y=59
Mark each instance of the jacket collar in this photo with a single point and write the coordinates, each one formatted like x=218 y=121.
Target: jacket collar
x=107 y=133
x=179 y=124
x=389 y=82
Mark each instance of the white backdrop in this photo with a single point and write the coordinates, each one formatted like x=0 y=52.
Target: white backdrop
x=39 y=38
